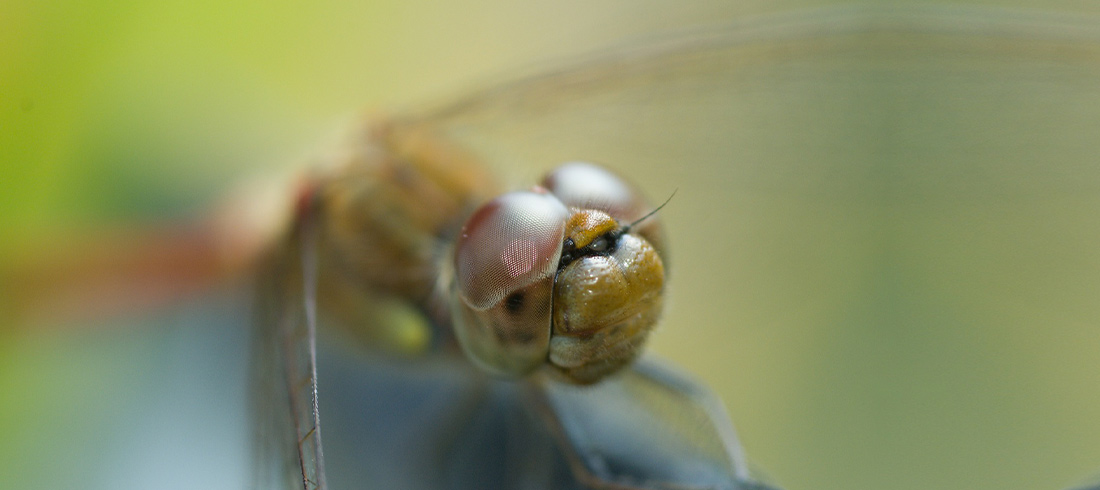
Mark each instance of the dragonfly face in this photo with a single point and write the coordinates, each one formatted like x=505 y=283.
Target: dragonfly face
x=540 y=282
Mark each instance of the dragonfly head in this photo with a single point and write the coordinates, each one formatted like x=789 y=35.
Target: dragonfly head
x=552 y=277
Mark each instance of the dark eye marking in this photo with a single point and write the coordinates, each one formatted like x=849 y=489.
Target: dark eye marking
x=569 y=253
x=514 y=302
x=602 y=245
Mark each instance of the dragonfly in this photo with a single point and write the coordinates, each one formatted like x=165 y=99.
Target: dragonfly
x=549 y=293
x=520 y=285
x=536 y=302
x=385 y=249
x=557 y=286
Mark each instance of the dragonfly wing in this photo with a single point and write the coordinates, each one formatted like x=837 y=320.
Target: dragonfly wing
x=288 y=446
x=704 y=98
x=648 y=428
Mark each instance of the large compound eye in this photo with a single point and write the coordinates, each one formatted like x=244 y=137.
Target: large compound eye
x=504 y=265
x=587 y=186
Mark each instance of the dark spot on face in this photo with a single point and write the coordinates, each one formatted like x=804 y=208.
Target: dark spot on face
x=514 y=302
x=568 y=253
x=604 y=245
x=599 y=245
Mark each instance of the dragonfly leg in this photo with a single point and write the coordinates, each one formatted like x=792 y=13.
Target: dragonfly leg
x=648 y=428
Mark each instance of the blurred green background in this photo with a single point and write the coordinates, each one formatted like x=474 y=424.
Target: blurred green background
x=891 y=284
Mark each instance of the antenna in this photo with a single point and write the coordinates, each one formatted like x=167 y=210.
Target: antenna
x=627 y=228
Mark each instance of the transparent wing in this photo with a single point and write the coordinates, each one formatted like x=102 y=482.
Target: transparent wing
x=707 y=97
x=288 y=446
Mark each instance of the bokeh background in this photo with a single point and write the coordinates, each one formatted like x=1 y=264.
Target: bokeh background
x=885 y=265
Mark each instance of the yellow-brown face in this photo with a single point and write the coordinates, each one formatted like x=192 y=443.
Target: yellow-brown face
x=557 y=276
x=607 y=297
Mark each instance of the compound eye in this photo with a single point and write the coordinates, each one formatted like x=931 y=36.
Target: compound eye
x=586 y=186
x=509 y=243
x=505 y=260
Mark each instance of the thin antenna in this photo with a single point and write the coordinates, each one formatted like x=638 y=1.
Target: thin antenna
x=627 y=228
